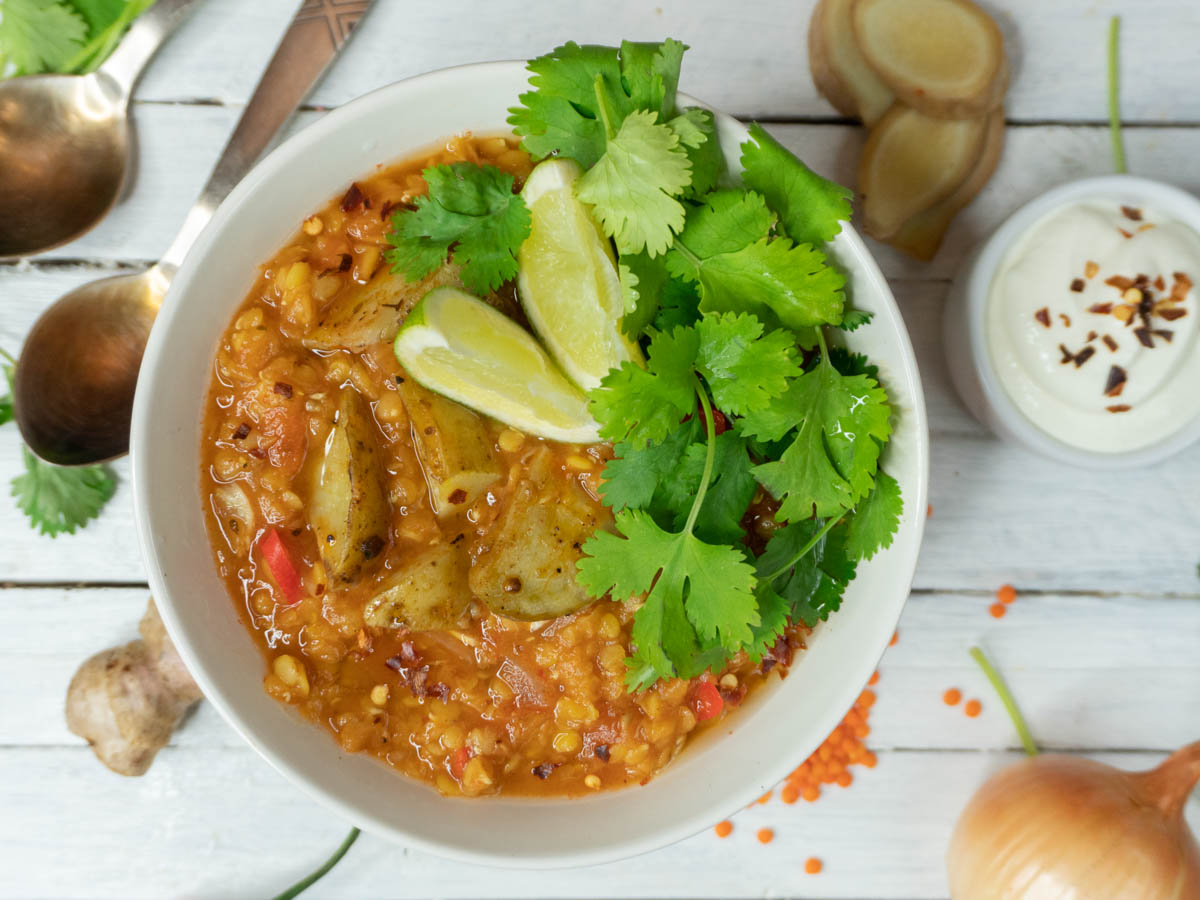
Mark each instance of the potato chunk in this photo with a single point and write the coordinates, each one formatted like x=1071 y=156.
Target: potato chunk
x=428 y=592
x=454 y=445
x=366 y=314
x=525 y=569
x=348 y=508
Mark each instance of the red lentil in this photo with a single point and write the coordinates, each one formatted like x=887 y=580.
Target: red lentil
x=765 y=835
x=723 y=829
x=1006 y=593
x=813 y=866
x=952 y=697
x=997 y=610
x=973 y=708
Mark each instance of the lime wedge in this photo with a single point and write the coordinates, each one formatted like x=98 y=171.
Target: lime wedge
x=464 y=349
x=568 y=278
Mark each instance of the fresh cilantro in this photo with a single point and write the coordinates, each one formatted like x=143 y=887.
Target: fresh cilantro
x=680 y=305
x=6 y=402
x=807 y=563
x=634 y=477
x=633 y=188
x=811 y=208
x=471 y=209
x=841 y=422
x=643 y=281
x=854 y=319
x=698 y=133
x=58 y=499
x=699 y=602
x=639 y=405
x=39 y=36
x=875 y=519
x=744 y=369
x=724 y=248
x=731 y=487
x=562 y=114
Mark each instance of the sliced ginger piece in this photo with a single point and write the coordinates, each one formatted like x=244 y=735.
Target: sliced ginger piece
x=921 y=235
x=912 y=162
x=839 y=70
x=127 y=701
x=942 y=57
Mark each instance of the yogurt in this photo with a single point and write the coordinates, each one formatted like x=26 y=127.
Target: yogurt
x=1091 y=325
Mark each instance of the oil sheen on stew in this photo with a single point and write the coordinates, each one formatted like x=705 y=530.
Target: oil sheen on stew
x=402 y=562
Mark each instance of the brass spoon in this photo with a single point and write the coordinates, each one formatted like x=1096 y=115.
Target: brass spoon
x=65 y=145
x=74 y=384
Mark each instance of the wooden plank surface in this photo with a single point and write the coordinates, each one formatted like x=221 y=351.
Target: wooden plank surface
x=1099 y=648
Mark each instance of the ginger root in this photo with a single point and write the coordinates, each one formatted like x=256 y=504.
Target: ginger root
x=127 y=701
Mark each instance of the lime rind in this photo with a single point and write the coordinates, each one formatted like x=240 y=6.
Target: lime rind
x=464 y=349
x=567 y=279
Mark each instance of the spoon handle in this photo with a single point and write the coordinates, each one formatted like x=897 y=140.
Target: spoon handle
x=142 y=41
x=314 y=38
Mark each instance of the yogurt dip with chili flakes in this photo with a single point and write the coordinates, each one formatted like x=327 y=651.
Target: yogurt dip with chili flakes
x=1091 y=325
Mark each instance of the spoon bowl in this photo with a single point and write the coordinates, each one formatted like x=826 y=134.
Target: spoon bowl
x=76 y=388
x=64 y=153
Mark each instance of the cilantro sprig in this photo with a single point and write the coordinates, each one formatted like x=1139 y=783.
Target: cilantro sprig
x=56 y=499
x=471 y=212
x=66 y=36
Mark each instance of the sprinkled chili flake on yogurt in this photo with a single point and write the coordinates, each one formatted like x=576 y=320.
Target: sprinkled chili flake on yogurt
x=1141 y=283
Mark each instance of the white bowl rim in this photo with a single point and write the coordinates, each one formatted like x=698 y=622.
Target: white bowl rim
x=142 y=445
x=977 y=281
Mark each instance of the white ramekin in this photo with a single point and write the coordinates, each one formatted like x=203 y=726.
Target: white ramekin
x=965 y=338
x=721 y=771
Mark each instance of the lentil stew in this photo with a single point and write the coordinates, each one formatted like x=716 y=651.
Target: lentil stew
x=407 y=566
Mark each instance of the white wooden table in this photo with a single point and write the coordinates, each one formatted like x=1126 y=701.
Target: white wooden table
x=1100 y=648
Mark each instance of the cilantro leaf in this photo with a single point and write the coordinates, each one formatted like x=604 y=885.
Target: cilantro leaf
x=680 y=305
x=774 y=613
x=813 y=580
x=840 y=422
x=724 y=248
x=698 y=134
x=698 y=596
x=727 y=221
x=811 y=208
x=854 y=319
x=57 y=499
x=470 y=208
x=875 y=519
x=6 y=402
x=633 y=187
x=731 y=487
x=744 y=369
x=39 y=36
x=562 y=114
x=634 y=476
x=773 y=279
x=642 y=282
x=642 y=405
x=651 y=74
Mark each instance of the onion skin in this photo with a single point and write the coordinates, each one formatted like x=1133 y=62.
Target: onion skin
x=1057 y=827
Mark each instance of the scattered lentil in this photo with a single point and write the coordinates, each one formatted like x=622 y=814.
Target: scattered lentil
x=1006 y=593
x=973 y=708
x=952 y=697
x=765 y=835
x=997 y=610
x=723 y=829
x=813 y=866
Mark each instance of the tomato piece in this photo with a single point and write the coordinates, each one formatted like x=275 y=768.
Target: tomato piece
x=706 y=701
x=459 y=760
x=282 y=569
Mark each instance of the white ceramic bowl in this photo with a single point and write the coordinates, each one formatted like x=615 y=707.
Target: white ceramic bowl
x=718 y=774
x=967 y=354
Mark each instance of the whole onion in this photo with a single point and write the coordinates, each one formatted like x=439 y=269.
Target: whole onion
x=1058 y=827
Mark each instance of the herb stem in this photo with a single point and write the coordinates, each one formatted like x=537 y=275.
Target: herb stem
x=8 y=356
x=1006 y=698
x=1114 y=99
x=309 y=880
x=806 y=549
x=709 y=454
x=602 y=107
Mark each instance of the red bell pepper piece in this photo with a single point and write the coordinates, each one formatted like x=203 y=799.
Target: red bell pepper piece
x=706 y=702
x=280 y=565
